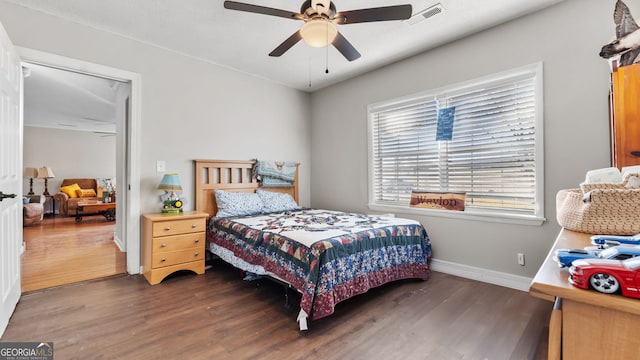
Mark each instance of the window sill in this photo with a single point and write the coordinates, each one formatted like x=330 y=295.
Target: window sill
x=463 y=215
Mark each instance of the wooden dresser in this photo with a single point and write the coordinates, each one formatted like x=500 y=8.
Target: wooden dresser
x=625 y=91
x=173 y=242
x=585 y=324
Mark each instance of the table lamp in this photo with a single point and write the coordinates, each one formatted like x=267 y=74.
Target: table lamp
x=171 y=183
x=45 y=173
x=30 y=173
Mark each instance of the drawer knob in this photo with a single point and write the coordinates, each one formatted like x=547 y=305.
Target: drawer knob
x=197 y=241
x=167 y=228
x=163 y=245
x=197 y=253
x=163 y=260
x=194 y=226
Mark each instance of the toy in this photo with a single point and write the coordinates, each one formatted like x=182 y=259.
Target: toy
x=564 y=257
x=607 y=276
x=171 y=206
x=603 y=241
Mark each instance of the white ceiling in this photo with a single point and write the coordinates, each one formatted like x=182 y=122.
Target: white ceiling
x=242 y=41
x=61 y=99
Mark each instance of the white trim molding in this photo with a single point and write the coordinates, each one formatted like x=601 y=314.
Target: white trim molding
x=521 y=283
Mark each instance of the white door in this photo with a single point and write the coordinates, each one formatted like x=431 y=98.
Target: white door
x=10 y=178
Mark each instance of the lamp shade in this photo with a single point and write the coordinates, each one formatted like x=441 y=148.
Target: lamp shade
x=45 y=172
x=170 y=182
x=318 y=32
x=30 y=173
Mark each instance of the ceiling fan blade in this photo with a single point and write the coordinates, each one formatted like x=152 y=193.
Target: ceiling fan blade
x=233 y=5
x=286 y=45
x=345 y=47
x=397 y=12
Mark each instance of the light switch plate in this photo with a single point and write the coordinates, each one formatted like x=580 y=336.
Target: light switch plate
x=161 y=166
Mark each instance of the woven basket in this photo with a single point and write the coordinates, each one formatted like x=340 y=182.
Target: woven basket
x=608 y=209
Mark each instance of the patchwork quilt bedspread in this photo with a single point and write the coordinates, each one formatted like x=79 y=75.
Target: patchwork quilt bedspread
x=328 y=256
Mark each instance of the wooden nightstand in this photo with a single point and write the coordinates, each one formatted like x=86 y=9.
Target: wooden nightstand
x=173 y=242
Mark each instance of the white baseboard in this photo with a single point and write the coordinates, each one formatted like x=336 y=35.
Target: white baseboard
x=489 y=276
x=119 y=242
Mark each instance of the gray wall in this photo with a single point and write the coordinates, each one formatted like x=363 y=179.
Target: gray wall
x=566 y=38
x=191 y=109
x=70 y=154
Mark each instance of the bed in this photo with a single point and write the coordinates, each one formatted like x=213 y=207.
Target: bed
x=328 y=256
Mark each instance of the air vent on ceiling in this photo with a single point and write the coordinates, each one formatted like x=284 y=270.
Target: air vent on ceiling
x=426 y=13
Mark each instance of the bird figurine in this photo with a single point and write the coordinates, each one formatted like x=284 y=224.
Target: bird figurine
x=627 y=42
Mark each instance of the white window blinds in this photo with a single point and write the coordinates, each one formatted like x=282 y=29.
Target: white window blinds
x=493 y=154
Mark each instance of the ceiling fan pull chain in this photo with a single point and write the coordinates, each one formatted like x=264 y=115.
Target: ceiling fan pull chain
x=326 y=69
x=309 y=70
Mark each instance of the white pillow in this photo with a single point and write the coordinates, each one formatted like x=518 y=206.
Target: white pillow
x=235 y=203
x=277 y=202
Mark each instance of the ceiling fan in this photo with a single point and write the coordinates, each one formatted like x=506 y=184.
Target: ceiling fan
x=320 y=19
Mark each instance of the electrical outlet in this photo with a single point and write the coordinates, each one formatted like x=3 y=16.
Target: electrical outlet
x=521 y=259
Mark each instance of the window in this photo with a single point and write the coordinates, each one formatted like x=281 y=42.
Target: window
x=494 y=155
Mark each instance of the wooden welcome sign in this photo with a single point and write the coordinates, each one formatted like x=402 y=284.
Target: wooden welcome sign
x=438 y=200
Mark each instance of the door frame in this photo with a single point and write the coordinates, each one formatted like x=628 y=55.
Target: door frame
x=131 y=199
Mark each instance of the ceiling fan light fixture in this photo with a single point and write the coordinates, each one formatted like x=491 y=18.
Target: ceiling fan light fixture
x=318 y=32
x=320 y=19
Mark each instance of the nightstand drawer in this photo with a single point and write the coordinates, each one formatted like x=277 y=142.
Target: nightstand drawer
x=176 y=257
x=178 y=242
x=174 y=227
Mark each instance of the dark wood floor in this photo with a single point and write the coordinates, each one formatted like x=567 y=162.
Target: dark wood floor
x=219 y=316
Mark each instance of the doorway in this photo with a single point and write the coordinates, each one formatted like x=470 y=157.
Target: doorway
x=127 y=179
x=71 y=123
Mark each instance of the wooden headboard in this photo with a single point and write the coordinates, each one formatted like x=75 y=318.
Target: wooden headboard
x=229 y=175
